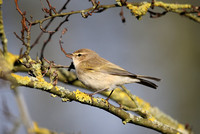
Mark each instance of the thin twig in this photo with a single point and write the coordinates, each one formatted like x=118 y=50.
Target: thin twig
x=51 y=34
x=48 y=24
x=51 y=8
x=157 y=15
x=121 y=14
x=55 y=65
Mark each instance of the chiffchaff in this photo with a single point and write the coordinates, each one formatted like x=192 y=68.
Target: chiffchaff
x=99 y=74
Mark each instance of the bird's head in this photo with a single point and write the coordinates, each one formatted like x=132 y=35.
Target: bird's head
x=81 y=55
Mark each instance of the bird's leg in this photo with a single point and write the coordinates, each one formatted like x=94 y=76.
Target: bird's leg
x=110 y=95
x=97 y=91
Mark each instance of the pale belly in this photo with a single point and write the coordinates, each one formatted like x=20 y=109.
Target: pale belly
x=98 y=80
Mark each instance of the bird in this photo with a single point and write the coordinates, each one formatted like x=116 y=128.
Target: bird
x=100 y=74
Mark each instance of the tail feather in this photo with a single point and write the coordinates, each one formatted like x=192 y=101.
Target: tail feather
x=148 y=77
x=147 y=83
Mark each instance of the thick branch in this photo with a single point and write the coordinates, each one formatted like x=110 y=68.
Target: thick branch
x=78 y=96
x=152 y=121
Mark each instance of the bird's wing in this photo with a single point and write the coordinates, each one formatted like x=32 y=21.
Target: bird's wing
x=116 y=70
x=107 y=67
x=113 y=69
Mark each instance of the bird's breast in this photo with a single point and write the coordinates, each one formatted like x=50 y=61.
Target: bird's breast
x=93 y=79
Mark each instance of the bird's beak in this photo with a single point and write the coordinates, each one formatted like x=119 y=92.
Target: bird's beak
x=69 y=55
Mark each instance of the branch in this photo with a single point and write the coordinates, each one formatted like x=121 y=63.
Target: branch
x=138 y=10
x=154 y=119
x=83 y=98
x=2 y=32
x=100 y=7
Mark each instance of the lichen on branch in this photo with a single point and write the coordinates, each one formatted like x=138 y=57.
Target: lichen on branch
x=86 y=99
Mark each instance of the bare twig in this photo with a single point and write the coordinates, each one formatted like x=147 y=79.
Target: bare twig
x=93 y=2
x=53 y=65
x=121 y=14
x=60 y=42
x=51 y=8
x=63 y=32
x=95 y=7
x=24 y=19
x=44 y=30
x=48 y=24
x=152 y=4
x=22 y=40
x=51 y=34
x=25 y=28
x=157 y=15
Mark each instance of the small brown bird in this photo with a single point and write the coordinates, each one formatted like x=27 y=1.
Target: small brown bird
x=99 y=74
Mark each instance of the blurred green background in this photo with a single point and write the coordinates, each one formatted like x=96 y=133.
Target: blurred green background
x=167 y=47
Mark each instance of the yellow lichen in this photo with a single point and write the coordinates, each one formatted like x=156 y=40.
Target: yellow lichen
x=37 y=69
x=82 y=96
x=11 y=58
x=65 y=99
x=24 y=80
x=139 y=11
x=43 y=84
x=180 y=126
x=38 y=83
x=118 y=2
x=144 y=105
x=171 y=6
x=182 y=129
x=126 y=121
x=53 y=95
x=152 y=118
x=122 y=95
x=36 y=129
x=40 y=78
x=57 y=89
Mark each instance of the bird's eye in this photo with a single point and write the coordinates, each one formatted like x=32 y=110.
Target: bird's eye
x=79 y=55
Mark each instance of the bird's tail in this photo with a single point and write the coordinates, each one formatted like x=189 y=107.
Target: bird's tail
x=146 y=82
